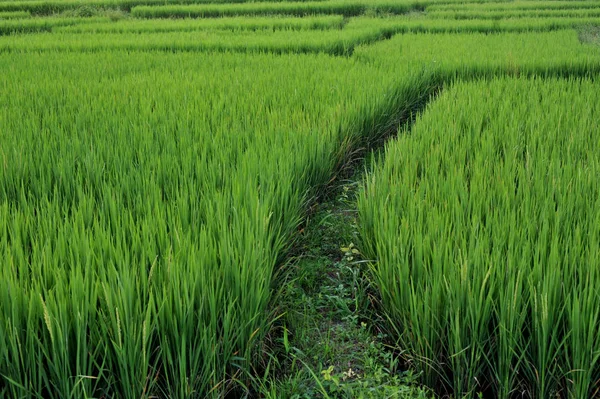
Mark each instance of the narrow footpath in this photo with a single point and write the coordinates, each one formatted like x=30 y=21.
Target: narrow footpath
x=330 y=340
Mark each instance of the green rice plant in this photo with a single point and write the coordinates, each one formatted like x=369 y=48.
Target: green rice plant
x=452 y=54
x=528 y=13
x=204 y=35
x=514 y=5
x=393 y=25
x=14 y=14
x=18 y=26
x=144 y=203
x=582 y=313
x=45 y=7
x=302 y=8
x=335 y=42
x=235 y=24
x=483 y=219
x=146 y=199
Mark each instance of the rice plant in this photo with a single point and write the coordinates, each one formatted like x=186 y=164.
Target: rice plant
x=471 y=55
x=187 y=25
x=14 y=14
x=393 y=25
x=515 y=5
x=484 y=222
x=31 y=25
x=505 y=14
x=301 y=8
x=154 y=173
x=334 y=42
x=46 y=7
x=143 y=208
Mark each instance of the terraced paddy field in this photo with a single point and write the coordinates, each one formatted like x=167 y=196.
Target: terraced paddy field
x=186 y=210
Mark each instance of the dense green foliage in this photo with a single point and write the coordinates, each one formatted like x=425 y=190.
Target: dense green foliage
x=475 y=54
x=44 y=7
x=234 y=24
x=335 y=42
x=154 y=170
x=30 y=25
x=517 y=5
x=486 y=225
x=13 y=14
x=139 y=232
x=528 y=13
x=342 y=7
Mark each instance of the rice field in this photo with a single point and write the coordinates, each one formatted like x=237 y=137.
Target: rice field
x=485 y=222
x=187 y=25
x=159 y=159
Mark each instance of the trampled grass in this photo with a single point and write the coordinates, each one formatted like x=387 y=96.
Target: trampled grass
x=484 y=220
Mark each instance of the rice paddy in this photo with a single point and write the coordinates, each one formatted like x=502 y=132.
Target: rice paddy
x=485 y=224
x=160 y=159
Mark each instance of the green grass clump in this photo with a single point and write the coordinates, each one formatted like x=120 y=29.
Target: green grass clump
x=485 y=223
